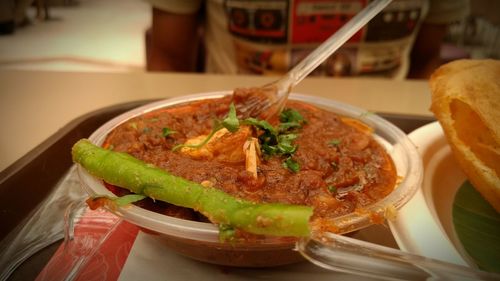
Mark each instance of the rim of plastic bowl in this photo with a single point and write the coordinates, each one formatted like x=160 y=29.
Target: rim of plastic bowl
x=403 y=152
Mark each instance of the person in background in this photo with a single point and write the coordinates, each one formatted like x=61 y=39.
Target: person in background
x=270 y=37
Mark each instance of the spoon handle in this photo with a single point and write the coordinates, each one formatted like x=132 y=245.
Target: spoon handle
x=341 y=253
x=323 y=51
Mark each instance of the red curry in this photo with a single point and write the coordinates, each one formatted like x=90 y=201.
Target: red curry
x=342 y=167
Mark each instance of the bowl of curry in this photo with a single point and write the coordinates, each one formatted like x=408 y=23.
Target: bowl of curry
x=350 y=166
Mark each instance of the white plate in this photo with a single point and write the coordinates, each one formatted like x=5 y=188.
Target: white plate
x=424 y=225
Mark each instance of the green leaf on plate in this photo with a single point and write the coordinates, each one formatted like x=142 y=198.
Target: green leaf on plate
x=128 y=199
x=477 y=225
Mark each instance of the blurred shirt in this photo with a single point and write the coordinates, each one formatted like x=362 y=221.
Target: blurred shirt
x=269 y=37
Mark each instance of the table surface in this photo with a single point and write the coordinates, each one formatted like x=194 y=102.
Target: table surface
x=35 y=104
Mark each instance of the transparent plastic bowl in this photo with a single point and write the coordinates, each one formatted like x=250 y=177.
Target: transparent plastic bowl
x=200 y=240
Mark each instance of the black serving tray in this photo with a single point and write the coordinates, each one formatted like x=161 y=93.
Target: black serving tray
x=26 y=183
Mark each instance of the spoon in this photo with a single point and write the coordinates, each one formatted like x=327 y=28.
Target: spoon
x=268 y=100
x=345 y=254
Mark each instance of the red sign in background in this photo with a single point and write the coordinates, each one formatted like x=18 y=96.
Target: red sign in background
x=313 y=21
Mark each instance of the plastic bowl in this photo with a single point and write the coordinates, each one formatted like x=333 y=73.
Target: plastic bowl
x=200 y=240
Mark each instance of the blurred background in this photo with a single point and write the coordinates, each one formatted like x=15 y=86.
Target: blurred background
x=108 y=35
x=75 y=35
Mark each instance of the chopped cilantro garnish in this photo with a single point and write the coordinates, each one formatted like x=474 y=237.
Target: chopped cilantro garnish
x=291 y=165
x=231 y=122
x=260 y=124
x=290 y=119
x=146 y=130
x=217 y=125
x=332 y=189
x=289 y=126
x=119 y=201
x=291 y=115
x=268 y=150
x=128 y=199
x=273 y=142
x=334 y=142
x=285 y=145
x=279 y=141
x=165 y=132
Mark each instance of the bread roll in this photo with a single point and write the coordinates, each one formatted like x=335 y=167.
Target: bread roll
x=466 y=102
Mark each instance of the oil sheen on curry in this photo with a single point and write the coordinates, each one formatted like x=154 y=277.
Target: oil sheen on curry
x=306 y=156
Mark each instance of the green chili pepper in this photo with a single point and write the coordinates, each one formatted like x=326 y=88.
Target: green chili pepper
x=123 y=170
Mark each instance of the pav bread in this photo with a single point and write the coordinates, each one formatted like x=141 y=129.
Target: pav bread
x=466 y=102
